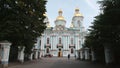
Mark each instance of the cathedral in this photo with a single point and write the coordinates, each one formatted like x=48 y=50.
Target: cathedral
x=60 y=40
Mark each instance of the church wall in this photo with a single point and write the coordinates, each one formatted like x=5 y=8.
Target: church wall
x=56 y=42
x=60 y=31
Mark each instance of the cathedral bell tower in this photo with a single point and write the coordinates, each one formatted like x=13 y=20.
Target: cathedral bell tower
x=60 y=21
x=77 y=19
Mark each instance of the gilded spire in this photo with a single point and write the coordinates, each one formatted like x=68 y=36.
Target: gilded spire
x=60 y=17
x=77 y=13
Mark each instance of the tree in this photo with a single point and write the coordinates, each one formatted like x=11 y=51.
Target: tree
x=22 y=21
x=93 y=40
x=106 y=27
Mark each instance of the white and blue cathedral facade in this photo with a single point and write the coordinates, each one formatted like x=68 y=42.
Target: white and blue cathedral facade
x=61 y=40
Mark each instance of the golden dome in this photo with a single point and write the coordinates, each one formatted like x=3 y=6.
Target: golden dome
x=77 y=13
x=60 y=17
x=45 y=14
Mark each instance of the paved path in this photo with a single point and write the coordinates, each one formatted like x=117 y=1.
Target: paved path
x=57 y=63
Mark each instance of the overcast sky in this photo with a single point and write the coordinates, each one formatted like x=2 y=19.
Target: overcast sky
x=89 y=9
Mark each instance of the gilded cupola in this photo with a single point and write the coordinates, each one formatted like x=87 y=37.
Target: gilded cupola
x=77 y=13
x=60 y=17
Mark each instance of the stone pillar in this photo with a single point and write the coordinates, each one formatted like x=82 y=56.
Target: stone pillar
x=36 y=54
x=81 y=55
x=76 y=53
x=108 y=54
x=93 y=58
x=39 y=56
x=86 y=51
x=5 y=49
x=21 y=53
x=31 y=56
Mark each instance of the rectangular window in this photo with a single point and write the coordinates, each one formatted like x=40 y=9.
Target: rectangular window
x=47 y=50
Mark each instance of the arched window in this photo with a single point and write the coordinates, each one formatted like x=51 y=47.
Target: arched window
x=72 y=50
x=59 y=40
x=47 y=51
x=47 y=40
x=71 y=40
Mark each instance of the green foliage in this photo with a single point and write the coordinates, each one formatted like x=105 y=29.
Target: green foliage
x=21 y=21
x=106 y=27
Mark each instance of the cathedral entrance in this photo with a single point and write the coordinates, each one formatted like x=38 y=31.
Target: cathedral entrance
x=59 y=53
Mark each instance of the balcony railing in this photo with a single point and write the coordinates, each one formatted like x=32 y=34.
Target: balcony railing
x=48 y=45
x=71 y=45
x=59 y=45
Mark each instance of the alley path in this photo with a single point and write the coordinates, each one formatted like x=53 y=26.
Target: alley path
x=58 y=63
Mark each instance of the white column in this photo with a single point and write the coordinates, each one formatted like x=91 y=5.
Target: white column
x=75 y=42
x=93 y=55
x=108 y=55
x=39 y=54
x=81 y=55
x=21 y=53
x=36 y=54
x=78 y=42
x=31 y=56
x=56 y=41
x=86 y=51
x=5 y=49
x=66 y=42
x=41 y=43
x=53 y=42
